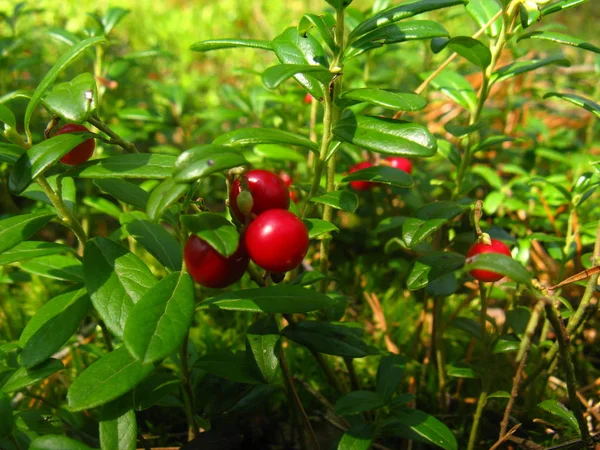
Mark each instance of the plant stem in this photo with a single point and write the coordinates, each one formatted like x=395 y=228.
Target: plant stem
x=477 y=417
x=352 y=372
x=115 y=138
x=438 y=340
x=188 y=394
x=563 y=344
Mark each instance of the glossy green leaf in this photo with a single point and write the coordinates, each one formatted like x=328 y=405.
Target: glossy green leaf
x=217 y=44
x=10 y=153
x=489 y=175
x=441 y=210
x=358 y=401
x=263 y=344
x=575 y=99
x=560 y=411
x=415 y=231
x=153 y=389
x=275 y=75
x=400 y=12
x=344 y=200
x=63 y=36
x=282 y=299
x=115 y=279
x=544 y=181
x=73 y=101
x=163 y=197
x=419 y=426
x=56 y=442
x=358 y=437
x=389 y=375
x=204 y=160
x=323 y=23
x=387 y=136
x=124 y=191
x=561 y=6
x=140 y=115
x=469 y=325
x=215 y=229
x=73 y=53
x=499 y=394
x=158 y=241
x=6 y=416
x=40 y=157
x=381 y=174
x=278 y=153
x=521 y=67
x=456 y=87
x=318 y=228
x=24 y=377
x=432 y=266
x=461 y=370
x=18 y=228
x=112 y=17
x=102 y=206
x=231 y=366
x=7 y=117
x=52 y=326
x=395 y=33
x=471 y=49
x=137 y=165
x=247 y=137
x=58 y=267
x=160 y=320
x=561 y=39
x=482 y=11
x=339 y=4
x=501 y=264
x=387 y=98
x=119 y=433
x=106 y=379
x=507 y=343
x=460 y=130
x=331 y=338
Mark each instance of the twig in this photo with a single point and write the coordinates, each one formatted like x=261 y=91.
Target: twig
x=380 y=321
x=115 y=138
x=188 y=397
x=513 y=396
x=505 y=437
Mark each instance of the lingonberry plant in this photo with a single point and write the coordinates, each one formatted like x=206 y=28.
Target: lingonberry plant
x=334 y=255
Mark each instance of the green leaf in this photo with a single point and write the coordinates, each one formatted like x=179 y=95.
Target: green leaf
x=460 y=130
x=119 y=433
x=102 y=206
x=381 y=174
x=318 y=227
x=231 y=366
x=204 y=160
x=358 y=401
x=344 y=200
x=7 y=117
x=419 y=426
x=432 y=266
x=441 y=210
x=124 y=191
x=65 y=60
x=141 y=115
x=471 y=49
x=73 y=101
x=489 y=175
x=52 y=326
x=18 y=228
x=387 y=98
x=247 y=137
x=456 y=87
x=10 y=153
x=263 y=343
x=387 y=136
x=469 y=325
x=358 y=437
x=395 y=33
x=339 y=4
x=159 y=321
x=278 y=153
x=415 y=231
x=507 y=343
x=563 y=191
x=330 y=338
x=137 y=165
x=502 y=264
x=24 y=377
x=153 y=389
x=58 y=267
x=482 y=11
x=560 y=411
x=560 y=6
x=400 y=12
x=106 y=379
x=282 y=299
x=461 y=370
x=582 y=102
x=157 y=241
x=163 y=197
x=561 y=39
x=215 y=229
x=275 y=75
x=521 y=67
x=293 y=48
x=389 y=375
x=56 y=442
x=6 y=416
x=499 y=394
x=42 y=156
x=323 y=23
x=115 y=279
x=217 y=44
x=112 y=17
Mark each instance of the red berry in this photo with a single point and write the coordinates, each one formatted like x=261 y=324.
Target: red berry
x=277 y=240
x=479 y=248
x=308 y=99
x=361 y=185
x=293 y=196
x=400 y=163
x=286 y=178
x=211 y=269
x=82 y=152
x=267 y=189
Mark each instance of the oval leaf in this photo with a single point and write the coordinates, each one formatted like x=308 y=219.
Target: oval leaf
x=203 y=161
x=119 y=433
x=217 y=44
x=219 y=232
x=420 y=426
x=275 y=75
x=387 y=98
x=247 y=137
x=18 y=228
x=358 y=401
x=344 y=200
x=157 y=241
x=502 y=264
x=381 y=174
x=137 y=165
x=24 y=377
x=73 y=101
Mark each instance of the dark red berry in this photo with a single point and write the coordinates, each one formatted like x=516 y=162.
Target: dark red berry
x=267 y=189
x=477 y=249
x=361 y=185
x=400 y=163
x=211 y=269
x=277 y=240
x=82 y=152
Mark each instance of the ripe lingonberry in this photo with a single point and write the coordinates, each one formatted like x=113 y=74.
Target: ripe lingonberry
x=267 y=189
x=308 y=99
x=277 y=240
x=400 y=163
x=211 y=269
x=361 y=185
x=82 y=152
x=478 y=248
x=288 y=182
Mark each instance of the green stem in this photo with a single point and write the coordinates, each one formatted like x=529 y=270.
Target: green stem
x=438 y=339
x=483 y=312
x=115 y=139
x=477 y=418
x=188 y=393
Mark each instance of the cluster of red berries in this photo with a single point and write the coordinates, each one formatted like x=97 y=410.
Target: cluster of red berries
x=82 y=152
x=274 y=238
x=392 y=161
